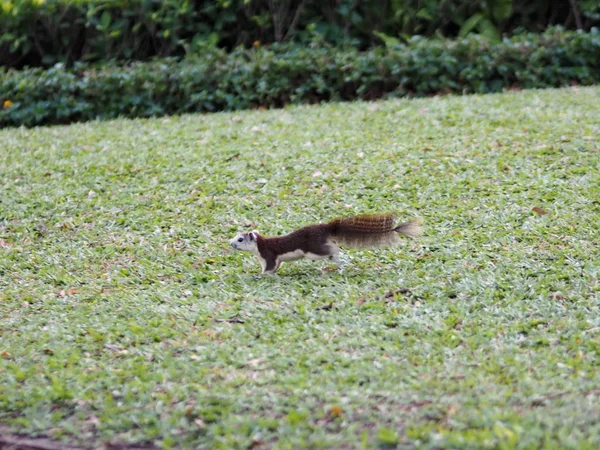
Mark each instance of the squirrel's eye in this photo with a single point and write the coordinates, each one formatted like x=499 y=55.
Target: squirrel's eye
x=240 y=239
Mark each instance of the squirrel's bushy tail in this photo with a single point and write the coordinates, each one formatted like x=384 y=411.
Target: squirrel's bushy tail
x=371 y=231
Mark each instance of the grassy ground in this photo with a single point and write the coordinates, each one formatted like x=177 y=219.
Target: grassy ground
x=125 y=316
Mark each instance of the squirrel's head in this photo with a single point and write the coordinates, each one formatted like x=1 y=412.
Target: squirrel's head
x=245 y=241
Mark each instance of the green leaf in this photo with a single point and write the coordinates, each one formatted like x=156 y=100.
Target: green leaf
x=387 y=438
x=502 y=9
x=104 y=20
x=489 y=30
x=389 y=41
x=470 y=24
x=424 y=13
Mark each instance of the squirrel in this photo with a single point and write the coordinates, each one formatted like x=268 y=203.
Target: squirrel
x=320 y=241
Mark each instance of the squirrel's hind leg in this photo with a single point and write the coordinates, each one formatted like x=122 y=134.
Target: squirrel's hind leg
x=340 y=259
x=337 y=257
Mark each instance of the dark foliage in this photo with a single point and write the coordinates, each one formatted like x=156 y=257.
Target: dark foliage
x=287 y=73
x=43 y=32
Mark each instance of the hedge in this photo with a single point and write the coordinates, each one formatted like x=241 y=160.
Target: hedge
x=44 y=32
x=283 y=74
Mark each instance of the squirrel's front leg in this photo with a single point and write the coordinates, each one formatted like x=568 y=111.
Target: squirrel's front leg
x=269 y=265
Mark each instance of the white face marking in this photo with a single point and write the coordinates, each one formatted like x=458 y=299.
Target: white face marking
x=245 y=242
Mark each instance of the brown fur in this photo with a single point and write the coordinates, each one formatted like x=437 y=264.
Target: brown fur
x=311 y=239
x=371 y=231
x=322 y=239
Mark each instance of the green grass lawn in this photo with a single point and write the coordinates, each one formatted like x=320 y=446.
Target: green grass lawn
x=125 y=317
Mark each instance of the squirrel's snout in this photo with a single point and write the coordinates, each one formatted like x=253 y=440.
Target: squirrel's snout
x=233 y=245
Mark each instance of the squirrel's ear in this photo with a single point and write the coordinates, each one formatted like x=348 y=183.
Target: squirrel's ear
x=252 y=236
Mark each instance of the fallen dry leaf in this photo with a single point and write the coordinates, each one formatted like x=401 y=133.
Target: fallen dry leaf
x=327 y=307
x=391 y=294
x=539 y=211
x=93 y=420
x=231 y=320
x=255 y=443
x=255 y=362
x=336 y=411
x=234 y=156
